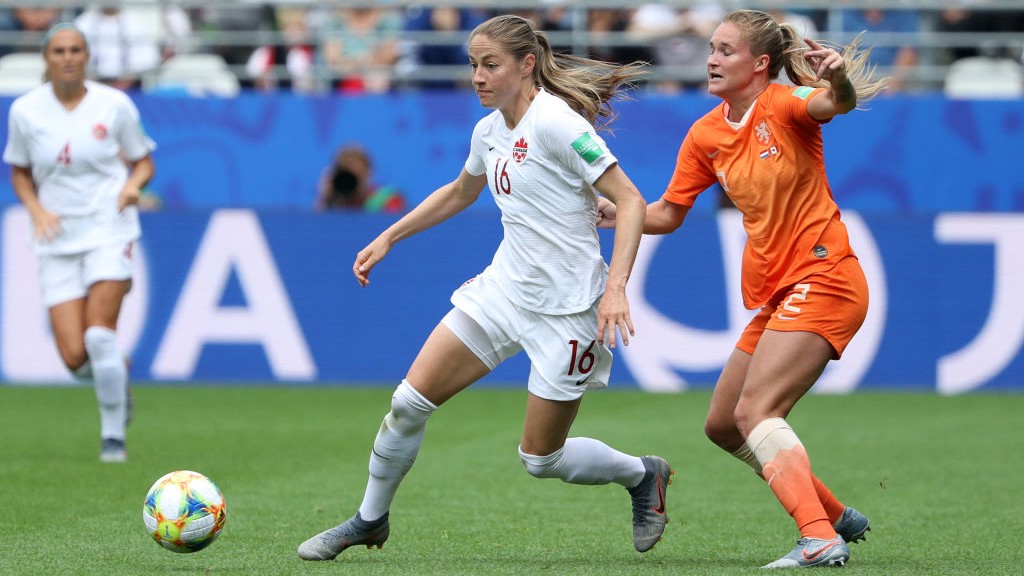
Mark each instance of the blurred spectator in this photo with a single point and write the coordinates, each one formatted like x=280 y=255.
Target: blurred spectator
x=360 y=47
x=963 y=19
x=231 y=29
x=348 y=184
x=680 y=39
x=121 y=45
x=554 y=18
x=32 y=22
x=602 y=24
x=287 y=63
x=168 y=24
x=895 y=59
x=442 y=19
x=804 y=24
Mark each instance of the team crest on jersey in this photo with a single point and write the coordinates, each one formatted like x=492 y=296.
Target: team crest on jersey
x=99 y=131
x=764 y=134
x=519 y=150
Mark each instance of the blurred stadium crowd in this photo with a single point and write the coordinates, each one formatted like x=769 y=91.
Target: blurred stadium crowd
x=224 y=46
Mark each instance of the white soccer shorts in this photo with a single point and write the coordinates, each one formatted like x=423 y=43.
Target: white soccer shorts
x=564 y=355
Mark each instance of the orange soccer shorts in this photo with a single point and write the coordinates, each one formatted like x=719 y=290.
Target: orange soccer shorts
x=831 y=304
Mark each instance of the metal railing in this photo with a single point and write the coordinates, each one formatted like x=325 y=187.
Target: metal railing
x=930 y=42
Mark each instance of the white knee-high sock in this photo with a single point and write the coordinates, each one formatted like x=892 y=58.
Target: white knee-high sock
x=586 y=461
x=395 y=448
x=110 y=378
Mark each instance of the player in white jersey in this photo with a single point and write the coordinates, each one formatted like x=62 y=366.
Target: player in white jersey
x=547 y=292
x=79 y=158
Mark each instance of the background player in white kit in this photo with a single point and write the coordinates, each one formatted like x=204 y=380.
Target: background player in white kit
x=547 y=291
x=79 y=158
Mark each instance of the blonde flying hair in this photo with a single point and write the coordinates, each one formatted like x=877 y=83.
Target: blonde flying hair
x=785 y=47
x=587 y=86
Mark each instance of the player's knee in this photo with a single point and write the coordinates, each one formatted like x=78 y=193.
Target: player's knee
x=746 y=419
x=542 y=466
x=722 y=433
x=101 y=344
x=409 y=410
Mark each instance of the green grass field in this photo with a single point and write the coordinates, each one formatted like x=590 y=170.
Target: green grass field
x=940 y=477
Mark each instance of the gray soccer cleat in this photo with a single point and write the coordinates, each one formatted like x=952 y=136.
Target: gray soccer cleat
x=649 y=517
x=814 y=552
x=113 y=450
x=852 y=526
x=329 y=543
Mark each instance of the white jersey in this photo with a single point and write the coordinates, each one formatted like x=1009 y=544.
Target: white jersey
x=77 y=158
x=540 y=174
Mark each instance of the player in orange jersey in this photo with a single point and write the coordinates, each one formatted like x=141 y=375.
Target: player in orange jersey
x=763 y=145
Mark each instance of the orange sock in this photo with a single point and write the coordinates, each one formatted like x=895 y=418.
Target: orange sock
x=833 y=507
x=787 y=468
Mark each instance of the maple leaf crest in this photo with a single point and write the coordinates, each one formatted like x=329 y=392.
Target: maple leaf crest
x=519 y=150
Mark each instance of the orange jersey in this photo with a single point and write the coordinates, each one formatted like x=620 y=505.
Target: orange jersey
x=773 y=169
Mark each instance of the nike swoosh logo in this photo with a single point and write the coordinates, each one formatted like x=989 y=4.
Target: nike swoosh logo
x=582 y=381
x=660 y=508
x=713 y=154
x=819 y=551
x=491 y=148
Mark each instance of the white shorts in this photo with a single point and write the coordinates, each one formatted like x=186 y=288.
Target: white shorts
x=66 y=277
x=565 y=357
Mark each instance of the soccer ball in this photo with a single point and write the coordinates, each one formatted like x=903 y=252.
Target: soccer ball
x=184 y=511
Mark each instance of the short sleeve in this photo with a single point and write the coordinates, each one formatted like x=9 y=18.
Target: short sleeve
x=578 y=147
x=475 y=162
x=16 y=151
x=692 y=175
x=134 y=141
x=796 y=101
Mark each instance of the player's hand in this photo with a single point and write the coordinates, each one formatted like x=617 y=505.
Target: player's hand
x=129 y=196
x=613 y=319
x=826 y=62
x=605 y=213
x=46 y=226
x=367 y=258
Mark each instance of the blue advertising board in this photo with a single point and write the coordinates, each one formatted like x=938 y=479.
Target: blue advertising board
x=906 y=154
x=235 y=295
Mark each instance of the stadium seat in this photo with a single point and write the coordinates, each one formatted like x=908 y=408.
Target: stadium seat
x=983 y=77
x=195 y=75
x=20 y=72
